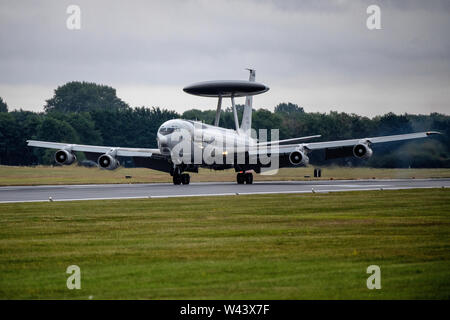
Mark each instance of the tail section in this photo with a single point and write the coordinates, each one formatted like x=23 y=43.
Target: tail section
x=246 y=123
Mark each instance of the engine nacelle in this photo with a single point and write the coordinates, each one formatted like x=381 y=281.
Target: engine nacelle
x=298 y=158
x=65 y=157
x=108 y=162
x=362 y=151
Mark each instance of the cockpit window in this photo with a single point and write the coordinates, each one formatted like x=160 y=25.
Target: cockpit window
x=165 y=130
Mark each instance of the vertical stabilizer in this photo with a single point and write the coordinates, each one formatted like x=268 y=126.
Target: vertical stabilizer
x=246 y=124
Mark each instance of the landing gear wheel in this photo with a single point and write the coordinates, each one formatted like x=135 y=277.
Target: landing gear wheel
x=248 y=178
x=240 y=178
x=185 y=178
x=176 y=179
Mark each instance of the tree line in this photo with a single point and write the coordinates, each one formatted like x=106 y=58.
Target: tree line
x=88 y=113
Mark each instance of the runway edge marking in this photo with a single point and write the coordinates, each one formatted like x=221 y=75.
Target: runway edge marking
x=228 y=194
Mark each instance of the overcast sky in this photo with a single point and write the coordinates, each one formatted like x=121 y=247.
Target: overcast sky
x=317 y=54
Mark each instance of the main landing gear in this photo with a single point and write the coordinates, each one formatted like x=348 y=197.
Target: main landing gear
x=246 y=177
x=180 y=178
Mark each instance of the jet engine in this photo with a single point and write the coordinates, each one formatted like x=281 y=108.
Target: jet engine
x=362 y=151
x=108 y=162
x=298 y=158
x=65 y=157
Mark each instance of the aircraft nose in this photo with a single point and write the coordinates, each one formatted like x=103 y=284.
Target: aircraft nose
x=163 y=144
x=162 y=139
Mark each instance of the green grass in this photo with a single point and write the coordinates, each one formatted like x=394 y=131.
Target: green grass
x=314 y=246
x=74 y=174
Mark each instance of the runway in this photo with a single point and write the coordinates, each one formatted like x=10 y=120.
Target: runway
x=166 y=190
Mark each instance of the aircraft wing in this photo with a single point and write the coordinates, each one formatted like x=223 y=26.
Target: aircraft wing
x=345 y=143
x=287 y=140
x=333 y=149
x=283 y=148
x=121 y=152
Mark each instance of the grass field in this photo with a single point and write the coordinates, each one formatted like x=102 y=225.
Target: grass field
x=79 y=175
x=315 y=246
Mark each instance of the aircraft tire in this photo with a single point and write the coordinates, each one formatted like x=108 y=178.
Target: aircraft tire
x=185 y=178
x=248 y=178
x=240 y=178
x=176 y=179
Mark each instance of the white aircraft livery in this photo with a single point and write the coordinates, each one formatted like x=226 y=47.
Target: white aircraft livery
x=185 y=145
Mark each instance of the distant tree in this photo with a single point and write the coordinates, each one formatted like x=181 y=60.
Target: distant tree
x=209 y=116
x=83 y=124
x=27 y=124
x=3 y=106
x=390 y=123
x=199 y=115
x=9 y=135
x=266 y=120
x=84 y=96
x=55 y=130
x=288 y=108
x=132 y=127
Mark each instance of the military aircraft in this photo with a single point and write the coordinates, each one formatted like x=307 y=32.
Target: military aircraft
x=185 y=145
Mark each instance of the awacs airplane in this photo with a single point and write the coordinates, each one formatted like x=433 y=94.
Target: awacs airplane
x=181 y=141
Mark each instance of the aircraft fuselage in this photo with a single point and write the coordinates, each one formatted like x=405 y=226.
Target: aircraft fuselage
x=200 y=135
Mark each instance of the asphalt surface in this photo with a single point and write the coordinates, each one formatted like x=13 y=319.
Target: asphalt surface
x=165 y=190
